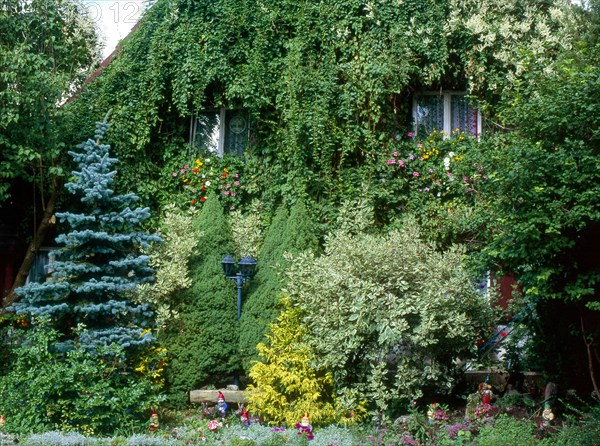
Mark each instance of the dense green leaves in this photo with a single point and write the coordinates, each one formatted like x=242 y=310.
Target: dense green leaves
x=203 y=337
x=387 y=314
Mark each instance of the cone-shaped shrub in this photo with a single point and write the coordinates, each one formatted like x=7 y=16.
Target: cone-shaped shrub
x=100 y=261
x=293 y=233
x=203 y=340
x=286 y=385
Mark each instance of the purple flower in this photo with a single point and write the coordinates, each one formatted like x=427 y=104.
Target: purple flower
x=426 y=189
x=411 y=157
x=430 y=170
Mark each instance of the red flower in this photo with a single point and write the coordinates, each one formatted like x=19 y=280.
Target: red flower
x=203 y=199
x=224 y=175
x=503 y=334
x=193 y=201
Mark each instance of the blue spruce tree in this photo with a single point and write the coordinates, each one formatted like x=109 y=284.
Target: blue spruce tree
x=99 y=261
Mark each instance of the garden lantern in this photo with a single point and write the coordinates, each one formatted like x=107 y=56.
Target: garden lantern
x=246 y=268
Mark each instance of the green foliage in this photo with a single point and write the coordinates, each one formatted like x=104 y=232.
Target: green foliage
x=546 y=180
x=291 y=234
x=387 y=314
x=286 y=383
x=170 y=260
x=203 y=340
x=47 y=48
x=507 y=430
x=45 y=389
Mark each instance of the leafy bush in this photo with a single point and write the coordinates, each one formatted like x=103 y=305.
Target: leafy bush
x=46 y=389
x=388 y=314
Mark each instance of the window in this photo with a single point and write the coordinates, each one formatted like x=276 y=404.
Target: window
x=41 y=267
x=445 y=111
x=220 y=131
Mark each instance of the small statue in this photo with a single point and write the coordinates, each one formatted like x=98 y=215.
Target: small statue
x=245 y=419
x=154 y=424
x=485 y=390
x=305 y=423
x=549 y=396
x=221 y=405
x=2 y=421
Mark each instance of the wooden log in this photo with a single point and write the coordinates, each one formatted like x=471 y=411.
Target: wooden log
x=210 y=396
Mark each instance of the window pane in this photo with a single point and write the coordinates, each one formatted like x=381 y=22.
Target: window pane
x=464 y=117
x=429 y=114
x=236 y=132
x=206 y=136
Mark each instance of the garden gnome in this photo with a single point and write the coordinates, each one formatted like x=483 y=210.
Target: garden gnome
x=2 y=421
x=485 y=390
x=305 y=423
x=549 y=395
x=221 y=405
x=245 y=419
x=154 y=424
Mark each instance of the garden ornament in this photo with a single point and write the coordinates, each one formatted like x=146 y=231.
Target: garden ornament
x=154 y=424
x=245 y=419
x=221 y=405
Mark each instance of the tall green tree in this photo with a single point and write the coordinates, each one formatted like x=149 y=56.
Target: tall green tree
x=203 y=338
x=47 y=48
x=291 y=233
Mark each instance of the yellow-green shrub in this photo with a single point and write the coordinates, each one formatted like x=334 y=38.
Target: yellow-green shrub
x=286 y=385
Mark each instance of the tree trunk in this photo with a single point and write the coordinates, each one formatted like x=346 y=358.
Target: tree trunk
x=33 y=248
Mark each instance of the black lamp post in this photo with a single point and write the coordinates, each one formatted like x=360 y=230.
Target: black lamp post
x=247 y=266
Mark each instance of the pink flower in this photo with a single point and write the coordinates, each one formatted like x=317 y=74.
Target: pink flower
x=182 y=171
x=174 y=174
x=187 y=166
x=419 y=145
x=391 y=161
x=401 y=163
x=236 y=183
x=225 y=192
x=395 y=154
x=410 y=134
x=411 y=157
x=228 y=186
x=415 y=174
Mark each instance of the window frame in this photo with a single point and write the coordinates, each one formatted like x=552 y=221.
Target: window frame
x=222 y=114
x=447 y=114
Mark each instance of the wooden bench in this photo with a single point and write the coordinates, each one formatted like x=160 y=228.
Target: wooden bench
x=210 y=396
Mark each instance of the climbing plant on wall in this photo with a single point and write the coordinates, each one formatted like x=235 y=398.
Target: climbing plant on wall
x=327 y=85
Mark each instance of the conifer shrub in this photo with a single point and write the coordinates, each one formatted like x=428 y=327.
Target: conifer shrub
x=203 y=340
x=292 y=233
x=100 y=262
x=286 y=384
